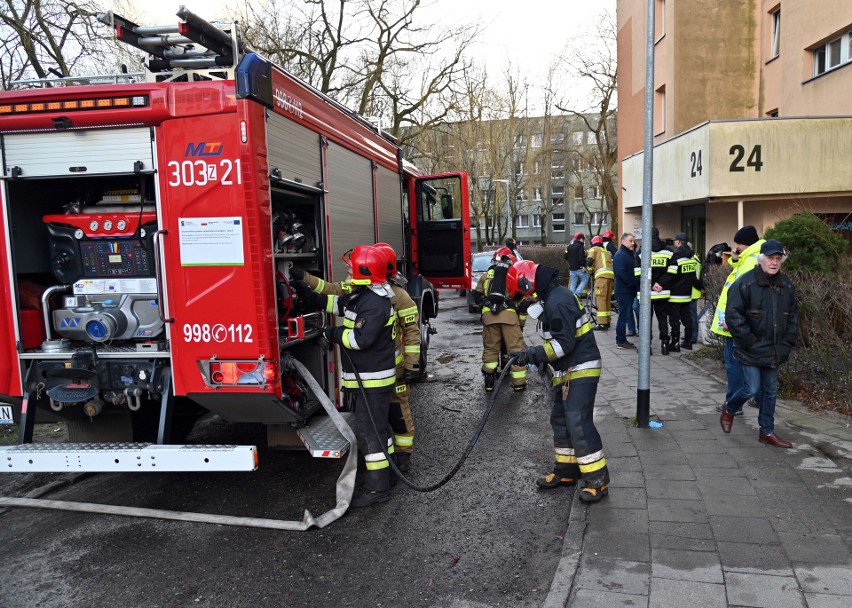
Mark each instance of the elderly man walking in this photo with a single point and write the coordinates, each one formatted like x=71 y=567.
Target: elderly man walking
x=762 y=315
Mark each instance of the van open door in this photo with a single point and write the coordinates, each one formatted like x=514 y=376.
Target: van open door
x=441 y=229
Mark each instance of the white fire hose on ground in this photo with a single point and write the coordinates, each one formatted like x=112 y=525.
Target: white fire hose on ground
x=344 y=488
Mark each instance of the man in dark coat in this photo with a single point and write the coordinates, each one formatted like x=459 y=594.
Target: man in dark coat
x=762 y=315
x=626 y=286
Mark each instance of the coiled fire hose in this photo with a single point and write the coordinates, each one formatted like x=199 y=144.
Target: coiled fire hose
x=468 y=449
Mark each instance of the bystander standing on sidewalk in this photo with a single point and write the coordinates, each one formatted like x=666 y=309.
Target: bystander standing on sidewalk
x=763 y=317
x=626 y=286
x=743 y=258
x=575 y=255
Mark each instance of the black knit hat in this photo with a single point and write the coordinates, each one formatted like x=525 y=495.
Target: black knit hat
x=747 y=235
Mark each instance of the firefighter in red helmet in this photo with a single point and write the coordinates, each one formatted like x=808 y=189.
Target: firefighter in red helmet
x=502 y=321
x=407 y=341
x=367 y=335
x=599 y=264
x=608 y=240
x=571 y=354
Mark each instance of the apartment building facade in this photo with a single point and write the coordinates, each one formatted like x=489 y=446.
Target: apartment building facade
x=752 y=116
x=538 y=179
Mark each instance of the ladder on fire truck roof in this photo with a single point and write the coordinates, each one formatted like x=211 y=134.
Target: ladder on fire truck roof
x=190 y=50
x=193 y=49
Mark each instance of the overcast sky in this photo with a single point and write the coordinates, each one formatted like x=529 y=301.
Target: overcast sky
x=529 y=33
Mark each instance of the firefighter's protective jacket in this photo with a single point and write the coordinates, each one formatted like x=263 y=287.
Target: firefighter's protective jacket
x=681 y=275
x=407 y=323
x=368 y=334
x=569 y=342
x=599 y=263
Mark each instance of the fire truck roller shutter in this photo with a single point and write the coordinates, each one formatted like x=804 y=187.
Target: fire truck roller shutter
x=294 y=150
x=390 y=210
x=98 y=151
x=350 y=204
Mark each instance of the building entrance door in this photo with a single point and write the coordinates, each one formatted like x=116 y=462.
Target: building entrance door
x=693 y=220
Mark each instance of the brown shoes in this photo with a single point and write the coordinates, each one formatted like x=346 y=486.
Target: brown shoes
x=775 y=440
x=727 y=421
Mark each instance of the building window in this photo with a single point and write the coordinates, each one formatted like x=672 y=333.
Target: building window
x=772 y=113
x=579 y=218
x=523 y=221
x=775 y=48
x=659 y=19
x=558 y=200
x=578 y=192
x=536 y=141
x=557 y=138
x=593 y=192
x=577 y=138
x=558 y=227
x=537 y=220
x=598 y=218
x=833 y=54
x=519 y=196
x=660 y=110
x=536 y=168
x=558 y=217
x=537 y=194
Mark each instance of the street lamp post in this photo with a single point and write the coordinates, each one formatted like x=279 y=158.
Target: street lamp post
x=508 y=208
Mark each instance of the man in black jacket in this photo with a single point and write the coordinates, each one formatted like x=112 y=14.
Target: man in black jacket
x=575 y=255
x=626 y=286
x=572 y=356
x=762 y=315
x=680 y=278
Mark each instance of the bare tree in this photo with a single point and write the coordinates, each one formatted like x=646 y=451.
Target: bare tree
x=596 y=64
x=364 y=53
x=42 y=37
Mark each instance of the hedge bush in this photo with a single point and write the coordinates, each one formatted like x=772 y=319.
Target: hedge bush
x=811 y=244
x=819 y=371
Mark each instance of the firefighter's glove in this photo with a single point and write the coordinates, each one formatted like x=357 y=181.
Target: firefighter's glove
x=521 y=357
x=522 y=307
x=328 y=333
x=410 y=374
x=297 y=274
x=305 y=293
x=478 y=298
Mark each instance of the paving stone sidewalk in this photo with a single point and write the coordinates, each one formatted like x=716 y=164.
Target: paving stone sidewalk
x=696 y=517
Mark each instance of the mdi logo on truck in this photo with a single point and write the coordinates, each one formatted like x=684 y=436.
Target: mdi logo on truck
x=147 y=233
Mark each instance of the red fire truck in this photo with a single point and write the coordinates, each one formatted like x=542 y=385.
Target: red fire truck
x=149 y=224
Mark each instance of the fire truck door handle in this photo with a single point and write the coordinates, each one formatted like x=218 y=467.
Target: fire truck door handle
x=158 y=268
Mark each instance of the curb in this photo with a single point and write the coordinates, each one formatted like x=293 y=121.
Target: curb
x=572 y=551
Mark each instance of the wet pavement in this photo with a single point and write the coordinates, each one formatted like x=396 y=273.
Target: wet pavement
x=697 y=517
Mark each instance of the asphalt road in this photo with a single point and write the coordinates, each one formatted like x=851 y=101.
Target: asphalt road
x=487 y=538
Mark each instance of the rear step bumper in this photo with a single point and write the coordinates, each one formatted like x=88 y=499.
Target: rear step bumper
x=322 y=438
x=125 y=458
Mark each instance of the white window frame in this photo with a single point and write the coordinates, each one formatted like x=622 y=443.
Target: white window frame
x=581 y=216
x=823 y=52
x=537 y=194
x=523 y=221
x=558 y=227
x=536 y=220
x=536 y=140
x=775 y=42
x=577 y=138
x=557 y=217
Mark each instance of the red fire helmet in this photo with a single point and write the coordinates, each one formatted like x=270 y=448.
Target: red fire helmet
x=521 y=278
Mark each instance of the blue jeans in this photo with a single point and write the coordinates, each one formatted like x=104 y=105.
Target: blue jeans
x=693 y=308
x=633 y=320
x=625 y=317
x=763 y=381
x=736 y=395
x=579 y=280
